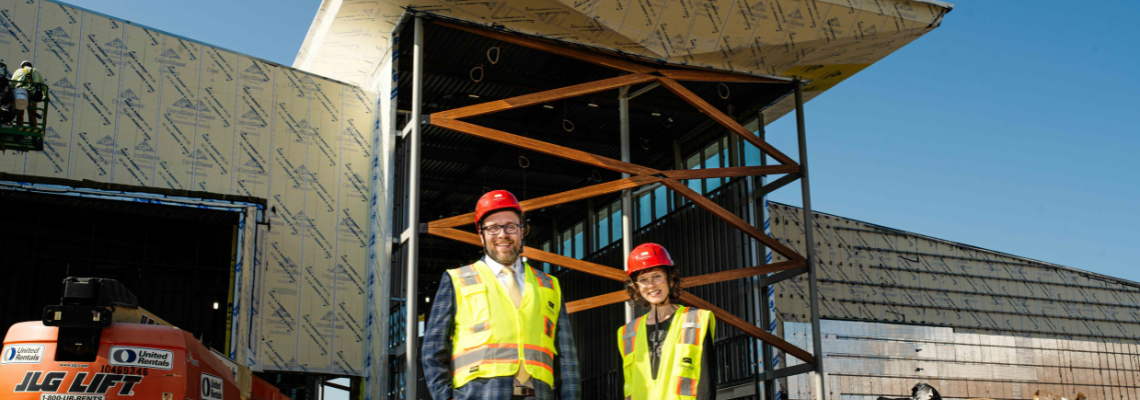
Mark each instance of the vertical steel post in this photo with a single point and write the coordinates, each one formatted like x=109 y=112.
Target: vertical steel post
x=412 y=327
x=767 y=317
x=627 y=195
x=809 y=242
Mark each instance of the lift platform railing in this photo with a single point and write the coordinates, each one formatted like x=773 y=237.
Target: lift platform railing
x=23 y=136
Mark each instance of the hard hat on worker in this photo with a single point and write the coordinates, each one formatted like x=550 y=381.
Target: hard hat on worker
x=646 y=256
x=26 y=63
x=495 y=200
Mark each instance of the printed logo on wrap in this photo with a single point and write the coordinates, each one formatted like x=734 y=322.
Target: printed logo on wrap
x=211 y=387
x=141 y=357
x=23 y=354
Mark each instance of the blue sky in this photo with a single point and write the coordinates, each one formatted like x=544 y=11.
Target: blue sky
x=1006 y=128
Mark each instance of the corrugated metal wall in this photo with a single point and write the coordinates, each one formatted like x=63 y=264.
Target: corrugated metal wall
x=969 y=321
x=139 y=107
x=871 y=273
x=866 y=360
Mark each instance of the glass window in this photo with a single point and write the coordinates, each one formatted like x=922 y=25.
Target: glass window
x=615 y=219
x=751 y=154
x=546 y=248
x=603 y=227
x=694 y=162
x=644 y=209
x=712 y=160
x=567 y=248
x=661 y=198
x=579 y=241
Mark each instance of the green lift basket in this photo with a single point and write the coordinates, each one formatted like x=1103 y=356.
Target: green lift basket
x=24 y=136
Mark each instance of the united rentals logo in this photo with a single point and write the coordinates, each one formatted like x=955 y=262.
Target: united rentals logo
x=171 y=54
x=211 y=387
x=23 y=354
x=106 y=141
x=141 y=357
x=144 y=146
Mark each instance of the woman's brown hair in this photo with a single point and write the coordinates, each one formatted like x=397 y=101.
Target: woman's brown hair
x=672 y=275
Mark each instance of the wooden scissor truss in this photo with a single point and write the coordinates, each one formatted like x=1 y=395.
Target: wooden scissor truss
x=638 y=175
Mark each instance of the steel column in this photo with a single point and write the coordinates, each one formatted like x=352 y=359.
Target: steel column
x=412 y=322
x=809 y=244
x=627 y=195
x=767 y=316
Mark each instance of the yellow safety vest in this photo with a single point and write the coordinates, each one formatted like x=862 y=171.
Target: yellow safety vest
x=680 y=365
x=491 y=337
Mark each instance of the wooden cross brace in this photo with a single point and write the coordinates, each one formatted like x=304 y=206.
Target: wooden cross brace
x=639 y=175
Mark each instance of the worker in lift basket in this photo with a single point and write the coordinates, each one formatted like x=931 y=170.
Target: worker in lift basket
x=667 y=353
x=29 y=79
x=498 y=329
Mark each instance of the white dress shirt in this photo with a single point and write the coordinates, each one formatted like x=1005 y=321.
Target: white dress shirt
x=497 y=270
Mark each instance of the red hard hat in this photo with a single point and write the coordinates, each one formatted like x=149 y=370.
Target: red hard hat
x=495 y=200
x=646 y=256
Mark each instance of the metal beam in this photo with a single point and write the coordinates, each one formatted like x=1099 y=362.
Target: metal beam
x=556 y=199
x=543 y=97
x=412 y=321
x=782 y=276
x=786 y=372
x=809 y=244
x=723 y=119
x=542 y=147
x=731 y=219
x=727 y=317
x=776 y=184
x=627 y=195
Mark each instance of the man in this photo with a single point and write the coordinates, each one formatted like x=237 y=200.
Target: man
x=506 y=334
x=28 y=78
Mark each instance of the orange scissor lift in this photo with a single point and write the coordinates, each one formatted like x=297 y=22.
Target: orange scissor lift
x=99 y=345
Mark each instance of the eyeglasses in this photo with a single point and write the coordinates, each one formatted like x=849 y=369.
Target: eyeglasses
x=510 y=229
x=651 y=280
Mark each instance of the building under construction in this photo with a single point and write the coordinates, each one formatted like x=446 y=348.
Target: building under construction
x=298 y=219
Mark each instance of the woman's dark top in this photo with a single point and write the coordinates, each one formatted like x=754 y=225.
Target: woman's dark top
x=706 y=385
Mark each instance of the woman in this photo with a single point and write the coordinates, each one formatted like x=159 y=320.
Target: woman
x=666 y=353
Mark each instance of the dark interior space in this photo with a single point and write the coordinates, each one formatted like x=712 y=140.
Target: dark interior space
x=176 y=260
x=457 y=168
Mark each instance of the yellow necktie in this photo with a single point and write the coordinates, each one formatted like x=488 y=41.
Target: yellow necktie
x=513 y=287
x=516 y=297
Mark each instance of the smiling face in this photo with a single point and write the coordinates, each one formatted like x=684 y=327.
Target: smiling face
x=503 y=247
x=653 y=284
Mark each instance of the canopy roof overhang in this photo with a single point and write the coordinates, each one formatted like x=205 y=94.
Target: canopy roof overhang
x=820 y=41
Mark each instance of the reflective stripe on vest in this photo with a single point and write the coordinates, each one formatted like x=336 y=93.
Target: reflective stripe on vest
x=679 y=371
x=494 y=338
x=629 y=333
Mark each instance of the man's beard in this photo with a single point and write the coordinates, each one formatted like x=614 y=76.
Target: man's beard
x=512 y=255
